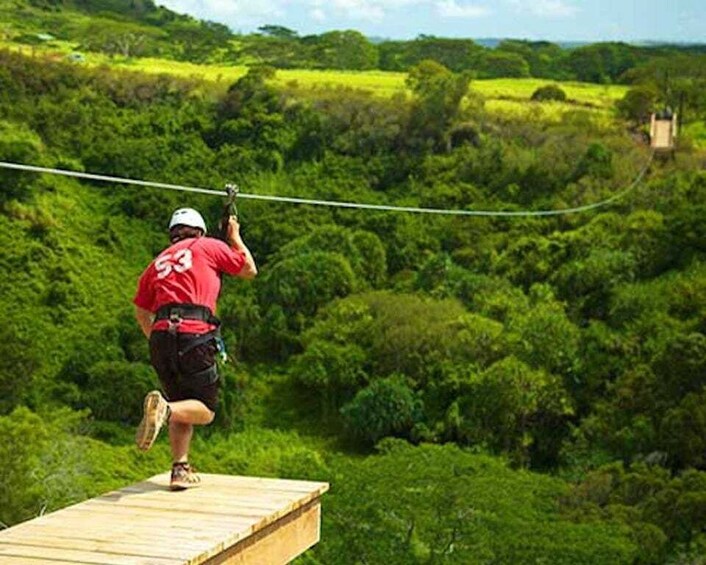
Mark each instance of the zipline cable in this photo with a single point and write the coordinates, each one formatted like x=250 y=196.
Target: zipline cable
x=334 y=203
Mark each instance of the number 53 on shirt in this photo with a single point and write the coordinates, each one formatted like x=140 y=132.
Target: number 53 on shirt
x=179 y=262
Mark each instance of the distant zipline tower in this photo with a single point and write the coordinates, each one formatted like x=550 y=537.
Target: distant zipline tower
x=663 y=132
x=664 y=123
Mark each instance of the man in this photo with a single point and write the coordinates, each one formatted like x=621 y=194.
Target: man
x=174 y=305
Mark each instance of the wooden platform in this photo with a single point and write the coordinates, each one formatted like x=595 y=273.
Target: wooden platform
x=663 y=132
x=228 y=519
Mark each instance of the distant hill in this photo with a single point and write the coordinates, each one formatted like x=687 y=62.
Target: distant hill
x=115 y=27
x=140 y=10
x=493 y=42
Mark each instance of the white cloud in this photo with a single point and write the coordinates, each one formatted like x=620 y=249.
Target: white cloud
x=247 y=12
x=317 y=14
x=452 y=9
x=546 y=8
x=359 y=9
x=366 y=10
x=233 y=10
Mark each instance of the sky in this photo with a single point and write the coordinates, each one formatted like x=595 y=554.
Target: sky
x=553 y=20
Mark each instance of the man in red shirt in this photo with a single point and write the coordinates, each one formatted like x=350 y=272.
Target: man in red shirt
x=174 y=305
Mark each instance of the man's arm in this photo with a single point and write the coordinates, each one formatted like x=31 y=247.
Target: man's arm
x=249 y=269
x=144 y=319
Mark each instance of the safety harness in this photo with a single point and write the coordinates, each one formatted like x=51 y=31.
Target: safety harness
x=175 y=313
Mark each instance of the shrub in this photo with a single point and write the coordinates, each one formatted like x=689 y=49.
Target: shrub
x=549 y=92
x=331 y=370
x=387 y=407
x=18 y=144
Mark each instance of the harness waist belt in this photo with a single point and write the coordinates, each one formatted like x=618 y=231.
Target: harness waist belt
x=177 y=312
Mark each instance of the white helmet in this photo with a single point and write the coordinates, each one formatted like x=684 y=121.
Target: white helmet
x=187 y=217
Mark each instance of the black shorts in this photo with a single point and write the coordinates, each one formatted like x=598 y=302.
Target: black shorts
x=190 y=375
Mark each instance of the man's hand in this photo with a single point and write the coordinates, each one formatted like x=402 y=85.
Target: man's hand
x=234 y=231
x=249 y=269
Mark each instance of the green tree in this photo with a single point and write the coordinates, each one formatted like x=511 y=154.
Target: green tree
x=279 y=51
x=597 y=162
x=386 y=407
x=543 y=336
x=19 y=363
x=665 y=512
x=498 y=64
x=545 y=59
x=301 y=284
x=457 y=55
x=344 y=50
x=278 y=31
x=514 y=409
x=438 y=94
x=18 y=144
x=363 y=250
x=638 y=104
x=332 y=371
x=601 y=62
x=683 y=432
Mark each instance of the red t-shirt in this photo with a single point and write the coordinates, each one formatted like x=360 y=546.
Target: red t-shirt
x=187 y=273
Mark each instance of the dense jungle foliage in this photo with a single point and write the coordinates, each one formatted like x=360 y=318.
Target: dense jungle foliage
x=476 y=389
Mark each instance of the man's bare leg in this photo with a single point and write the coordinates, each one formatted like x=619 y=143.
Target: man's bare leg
x=179 y=440
x=184 y=415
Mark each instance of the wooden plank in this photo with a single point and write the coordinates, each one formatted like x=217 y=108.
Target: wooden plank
x=268 y=483
x=163 y=513
x=204 y=504
x=78 y=526
x=246 y=512
x=174 y=547
x=214 y=495
x=16 y=560
x=160 y=483
x=140 y=543
x=77 y=556
x=145 y=547
x=154 y=528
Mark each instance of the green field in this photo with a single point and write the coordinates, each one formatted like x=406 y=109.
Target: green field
x=594 y=94
x=378 y=82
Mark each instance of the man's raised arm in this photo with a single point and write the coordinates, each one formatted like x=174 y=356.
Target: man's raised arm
x=249 y=269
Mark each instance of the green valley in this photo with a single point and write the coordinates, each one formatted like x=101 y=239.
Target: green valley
x=522 y=389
